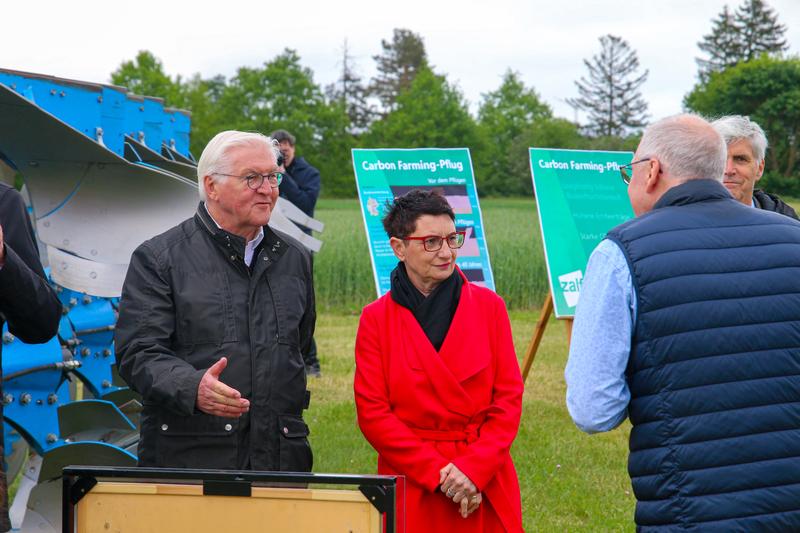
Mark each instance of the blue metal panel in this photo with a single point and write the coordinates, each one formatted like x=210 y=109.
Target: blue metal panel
x=90 y=334
x=168 y=127
x=92 y=108
x=65 y=331
x=181 y=128
x=134 y=116
x=93 y=321
x=113 y=111
x=19 y=356
x=154 y=119
x=77 y=104
x=30 y=400
x=176 y=131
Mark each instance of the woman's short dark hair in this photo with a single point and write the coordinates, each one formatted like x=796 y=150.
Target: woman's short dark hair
x=402 y=214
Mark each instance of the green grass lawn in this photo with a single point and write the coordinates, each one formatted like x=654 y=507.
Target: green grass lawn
x=570 y=481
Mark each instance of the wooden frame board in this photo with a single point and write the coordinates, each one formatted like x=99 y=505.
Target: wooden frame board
x=143 y=500
x=158 y=507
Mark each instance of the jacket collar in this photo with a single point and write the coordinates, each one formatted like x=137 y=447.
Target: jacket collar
x=298 y=163
x=693 y=191
x=272 y=245
x=234 y=244
x=759 y=198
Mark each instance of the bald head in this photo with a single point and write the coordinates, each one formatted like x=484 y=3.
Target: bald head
x=674 y=150
x=687 y=147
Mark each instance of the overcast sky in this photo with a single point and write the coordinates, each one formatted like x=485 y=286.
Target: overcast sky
x=472 y=42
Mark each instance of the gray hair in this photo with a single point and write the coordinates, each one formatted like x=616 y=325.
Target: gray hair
x=214 y=158
x=740 y=128
x=687 y=147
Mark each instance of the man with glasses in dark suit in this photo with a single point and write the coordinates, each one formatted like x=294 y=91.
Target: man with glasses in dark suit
x=214 y=316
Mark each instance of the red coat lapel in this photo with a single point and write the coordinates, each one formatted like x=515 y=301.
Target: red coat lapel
x=457 y=360
x=462 y=349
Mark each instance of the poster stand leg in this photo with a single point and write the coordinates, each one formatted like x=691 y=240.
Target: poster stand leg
x=538 y=333
x=568 y=325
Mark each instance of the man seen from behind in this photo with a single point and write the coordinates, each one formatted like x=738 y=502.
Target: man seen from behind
x=689 y=324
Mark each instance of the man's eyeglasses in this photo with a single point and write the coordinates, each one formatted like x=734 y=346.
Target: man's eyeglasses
x=433 y=243
x=624 y=169
x=255 y=180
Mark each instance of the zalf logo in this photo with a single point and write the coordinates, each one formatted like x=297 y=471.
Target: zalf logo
x=571 y=286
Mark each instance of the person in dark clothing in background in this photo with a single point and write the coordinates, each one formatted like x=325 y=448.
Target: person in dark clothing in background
x=27 y=301
x=301 y=181
x=747 y=150
x=300 y=185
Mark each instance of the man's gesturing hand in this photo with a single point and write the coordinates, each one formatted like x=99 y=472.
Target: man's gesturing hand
x=216 y=398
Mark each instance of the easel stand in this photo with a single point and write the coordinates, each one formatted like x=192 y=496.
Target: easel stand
x=538 y=333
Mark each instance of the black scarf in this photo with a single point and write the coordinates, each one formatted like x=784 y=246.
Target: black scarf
x=434 y=313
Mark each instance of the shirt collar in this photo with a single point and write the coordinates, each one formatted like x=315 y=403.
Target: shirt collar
x=250 y=246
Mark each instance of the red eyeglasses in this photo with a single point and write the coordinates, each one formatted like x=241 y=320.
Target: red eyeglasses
x=433 y=243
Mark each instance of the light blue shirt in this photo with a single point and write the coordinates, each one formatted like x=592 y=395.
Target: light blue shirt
x=597 y=390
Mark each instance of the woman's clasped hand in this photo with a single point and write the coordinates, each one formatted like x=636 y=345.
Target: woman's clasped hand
x=458 y=487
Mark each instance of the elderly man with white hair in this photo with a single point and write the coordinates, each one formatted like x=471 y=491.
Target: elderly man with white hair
x=214 y=316
x=689 y=325
x=747 y=149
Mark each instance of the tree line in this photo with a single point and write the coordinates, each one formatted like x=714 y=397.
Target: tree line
x=408 y=104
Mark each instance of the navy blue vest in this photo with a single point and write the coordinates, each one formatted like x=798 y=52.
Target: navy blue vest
x=714 y=371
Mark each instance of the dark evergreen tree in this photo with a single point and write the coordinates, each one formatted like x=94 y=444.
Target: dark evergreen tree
x=741 y=36
x=760 y=30
x=611 y=95
x=397 y=67
x=351 y=93
x=723 y=45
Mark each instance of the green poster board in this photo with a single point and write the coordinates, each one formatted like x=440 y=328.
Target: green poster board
x=383 y=174
x=580 y=196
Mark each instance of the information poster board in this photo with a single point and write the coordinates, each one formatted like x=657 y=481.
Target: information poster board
x=580 y=195
x=383 y=174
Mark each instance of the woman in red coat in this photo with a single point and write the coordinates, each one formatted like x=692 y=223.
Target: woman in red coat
x=437 y=386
